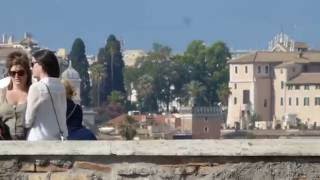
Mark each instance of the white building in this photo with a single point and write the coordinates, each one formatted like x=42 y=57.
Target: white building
x=9 y=45
x=130 y=56
x=73 y=77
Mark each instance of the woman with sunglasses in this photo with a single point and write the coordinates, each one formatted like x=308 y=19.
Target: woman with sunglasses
x=13 y=99
x=46 y=108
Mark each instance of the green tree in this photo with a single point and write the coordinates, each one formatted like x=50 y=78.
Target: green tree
x=223 y=94
x=194 y=93
x=160 y=52
x=97 y=71
x=128 y=129
x=81 y=65
x=112 y=58
x=207 y=65
x=146 y=96
x=218 y=69
x=116 y=97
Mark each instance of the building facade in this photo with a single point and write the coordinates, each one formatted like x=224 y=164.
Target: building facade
x=201 y=122
x=279 y=87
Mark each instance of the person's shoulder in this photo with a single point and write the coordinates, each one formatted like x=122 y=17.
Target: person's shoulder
x=35 y=85
x=39 y=86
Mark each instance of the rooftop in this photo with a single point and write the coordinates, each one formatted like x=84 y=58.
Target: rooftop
x=277 y=57
x=306 y=78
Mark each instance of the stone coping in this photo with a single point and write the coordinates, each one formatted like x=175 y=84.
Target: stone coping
x=243 y=147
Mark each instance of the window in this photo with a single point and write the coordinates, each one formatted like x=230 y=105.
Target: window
x=266 y=69
x=235 y=85
x=259 y=69
x=317 y=86
x=306 y=87
x=296 y=87
x=236 y=69
x=246 y=69
x=206 y=119
x=281 y=101
x=282 y=84
x=265 y=103
x=306 y=101
x=246 y=96
x=234 y=100
x=206 y=129
x=290 y=87
x=317 y=101
x=293 y=69
x=297 y=101
x=290 y=101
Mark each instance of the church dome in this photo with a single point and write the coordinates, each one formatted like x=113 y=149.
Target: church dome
x=70 y=73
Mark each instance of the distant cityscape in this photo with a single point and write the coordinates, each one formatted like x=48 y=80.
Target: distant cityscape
x=276 y=88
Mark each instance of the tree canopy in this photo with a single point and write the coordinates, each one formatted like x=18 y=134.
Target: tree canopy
x=198 y=77
x=80 y=64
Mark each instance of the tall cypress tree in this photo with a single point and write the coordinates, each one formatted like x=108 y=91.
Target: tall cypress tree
x=80 y=64
x=114 y=67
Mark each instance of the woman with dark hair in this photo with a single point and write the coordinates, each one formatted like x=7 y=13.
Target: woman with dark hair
x=46 y=108
x=13 y=99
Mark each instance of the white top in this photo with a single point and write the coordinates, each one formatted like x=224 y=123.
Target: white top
x=40 y=116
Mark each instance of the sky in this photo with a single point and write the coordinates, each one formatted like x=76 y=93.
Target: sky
x=241 y=24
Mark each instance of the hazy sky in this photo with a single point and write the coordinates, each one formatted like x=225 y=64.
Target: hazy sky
x=242 y=24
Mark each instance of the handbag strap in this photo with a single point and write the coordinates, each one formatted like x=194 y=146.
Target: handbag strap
x=70 y=114
x=55 y=113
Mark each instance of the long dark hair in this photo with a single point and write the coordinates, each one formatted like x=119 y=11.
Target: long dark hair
x=49 y=62
x=19 y=58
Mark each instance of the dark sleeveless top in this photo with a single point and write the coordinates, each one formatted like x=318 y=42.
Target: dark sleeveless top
x=13 y=116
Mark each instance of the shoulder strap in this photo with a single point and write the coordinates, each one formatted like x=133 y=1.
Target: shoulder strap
x=3 y=93
x=70 y=114
x=55 y=113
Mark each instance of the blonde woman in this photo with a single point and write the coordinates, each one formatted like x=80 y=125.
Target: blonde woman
x=75 y=117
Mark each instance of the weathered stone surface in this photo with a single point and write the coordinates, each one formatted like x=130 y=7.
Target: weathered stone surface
x=92 y=166
x=8 y=168
x=61 y=176
x=55 y=148
x=142 y=169
x=28 y=167
x=50 y=168
x=82 y=177
x=78 y=176
x=166 y=172
x=227 y=147
x=255 y=159
x=39 y=176
x=245 y=170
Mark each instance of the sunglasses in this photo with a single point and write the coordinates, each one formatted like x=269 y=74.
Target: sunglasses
x=19 y=73
x=33 y=63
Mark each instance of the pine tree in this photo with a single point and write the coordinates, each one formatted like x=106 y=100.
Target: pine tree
x=80 y=64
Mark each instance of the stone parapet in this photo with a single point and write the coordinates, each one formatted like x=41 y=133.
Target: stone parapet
x=161 y=159
x=229 y=147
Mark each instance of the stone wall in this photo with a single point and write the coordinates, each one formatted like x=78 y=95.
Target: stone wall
x=180 y=159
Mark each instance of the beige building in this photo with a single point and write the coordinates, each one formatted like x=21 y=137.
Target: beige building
x=130 y=56
x=281 y=87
